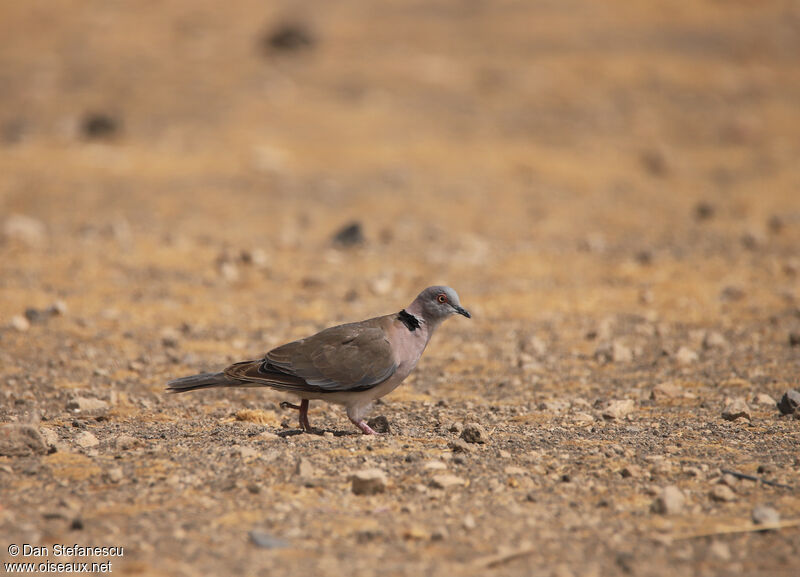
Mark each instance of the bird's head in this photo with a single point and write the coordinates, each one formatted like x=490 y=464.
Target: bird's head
x=436 y=303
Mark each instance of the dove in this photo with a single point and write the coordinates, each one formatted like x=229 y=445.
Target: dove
x=352 y=364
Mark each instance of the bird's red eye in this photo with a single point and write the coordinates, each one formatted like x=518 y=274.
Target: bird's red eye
x=442 y=298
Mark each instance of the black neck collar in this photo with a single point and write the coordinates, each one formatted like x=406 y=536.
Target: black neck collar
x=411 y=322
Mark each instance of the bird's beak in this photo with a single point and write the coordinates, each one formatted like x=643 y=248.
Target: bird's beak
x=463 y=311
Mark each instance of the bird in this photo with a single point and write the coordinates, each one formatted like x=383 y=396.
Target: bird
x=352 y=364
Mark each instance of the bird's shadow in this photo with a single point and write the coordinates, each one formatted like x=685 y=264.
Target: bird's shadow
x=319 y=432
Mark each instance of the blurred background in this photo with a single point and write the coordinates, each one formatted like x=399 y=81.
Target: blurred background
x=478 y=143
x=187 y=183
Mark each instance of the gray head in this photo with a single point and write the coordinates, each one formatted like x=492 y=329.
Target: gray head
x=436 y=303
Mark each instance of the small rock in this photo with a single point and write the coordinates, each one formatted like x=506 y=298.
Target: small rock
x=379 y=424
x=764 y=399
x=666 y=390
x=434 y=466
x=86 y=440
x=686 y=356
x=349 y=235
x=87 y=406
x=125 y=442
x=469 y=522
x=722 y=493
x=704 y=210
x=20 y=323
x=720 y=550
x=735 y=410
x=115 y=474
x=266 y=541
x=618 y=409
x=446 y=481
x=474 y=433
x=631 y=472
x=368 y=482
x=554 y=406
x=459 y=446
x=304 y=468
x=99 y=126
x=670 y=501
x=764 y=515
x=582 y=419
x=21 y=441
x=289 y=37
x=714 y=340
x=732 y=293
x=24 y=230
x=614 y=352
x=789 y=402
x=794 y=339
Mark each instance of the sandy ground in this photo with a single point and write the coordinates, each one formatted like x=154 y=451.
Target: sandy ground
x=613 y=190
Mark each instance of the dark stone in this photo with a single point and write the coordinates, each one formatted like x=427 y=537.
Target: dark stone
x=789 y=402
x=99 y=126
x=289 y=37
x=349 y=235
x=379 y=424
x=794 y=339
x=703 y=211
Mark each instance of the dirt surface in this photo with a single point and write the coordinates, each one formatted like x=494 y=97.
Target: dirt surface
x=613 y=189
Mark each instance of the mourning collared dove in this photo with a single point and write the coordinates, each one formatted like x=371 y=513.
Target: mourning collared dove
x=351 y=365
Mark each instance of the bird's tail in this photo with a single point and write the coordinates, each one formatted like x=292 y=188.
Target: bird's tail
x=201 y=381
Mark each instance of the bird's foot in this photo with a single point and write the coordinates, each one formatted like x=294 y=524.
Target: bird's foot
x=303 y=413
x=365 y=428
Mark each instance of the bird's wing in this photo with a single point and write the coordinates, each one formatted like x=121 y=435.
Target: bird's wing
x=352 y=357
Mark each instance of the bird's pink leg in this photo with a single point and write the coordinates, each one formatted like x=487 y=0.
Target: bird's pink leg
x=365 y=428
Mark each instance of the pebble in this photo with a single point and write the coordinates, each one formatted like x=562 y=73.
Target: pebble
x=720 y=550
x=722 y=493
x=380 y=424
x=667 y=390
x=474 y=433
x=368 y=482
x=20 y=323
x=446 y=481
x=469 y=522
x=714 y=340
x=21 y=441
x=87 y=406
x=351 y=234
x=554 y=406
x=631 y=472
x=789 y=402
x=86 y=440
x=115 y=474
x=24 y=230
x=736 y=409
x=686 y=356
x=125 y=442
x=582 y=419
x=764 y=515
x=614 y=352
x=266 y=541
x=304 y=468
x=764 y=399
x=459 y=446
x=618 y=409
x=794 y=339
x=670 y=501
